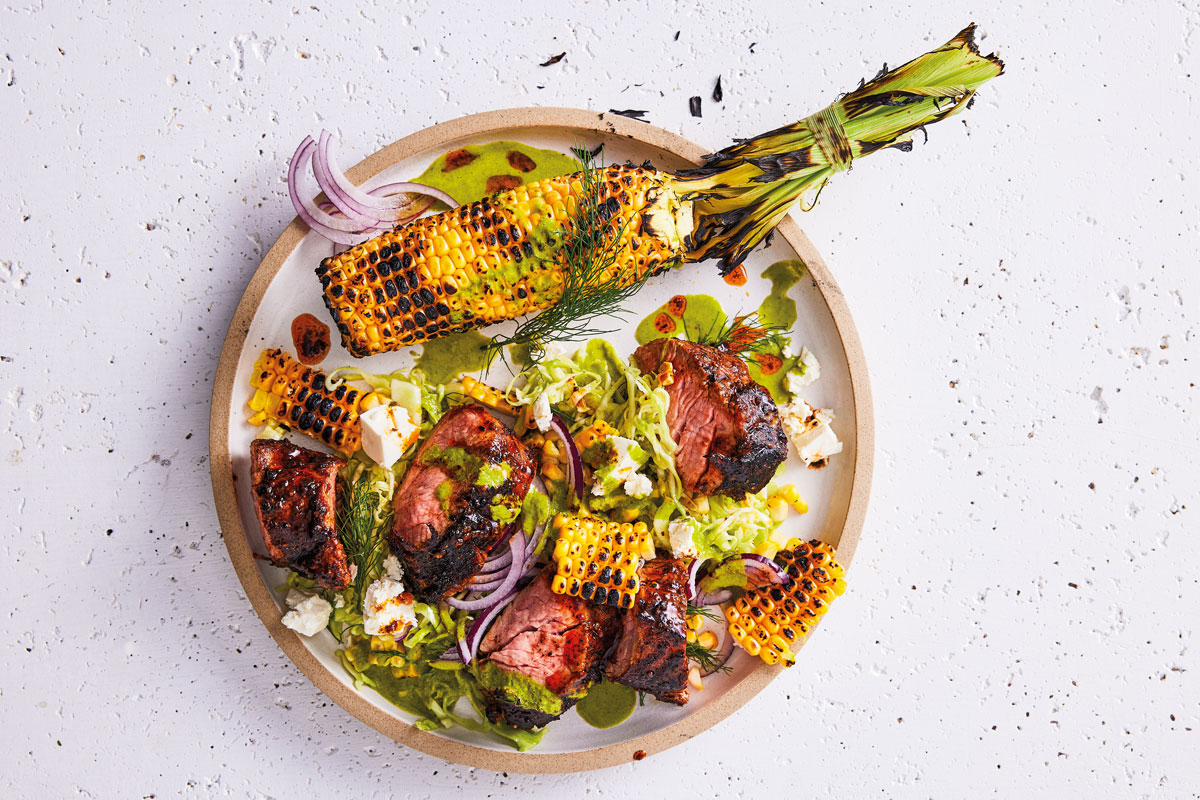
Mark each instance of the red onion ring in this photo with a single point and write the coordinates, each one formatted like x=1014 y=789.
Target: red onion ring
x=574 y=460
x=325 y=179
x=370 y=204
x=693 y=571
x=714 y=598
x=337 y=230
x=765 y=566
x=515 y=570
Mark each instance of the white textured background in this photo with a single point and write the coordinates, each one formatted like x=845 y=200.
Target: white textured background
x=1021 y=614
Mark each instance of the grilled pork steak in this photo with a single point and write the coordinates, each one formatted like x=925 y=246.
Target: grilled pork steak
x=726 y=427
x=295 y=498
x=542 y=653
x=463 y=489
x=651 y=652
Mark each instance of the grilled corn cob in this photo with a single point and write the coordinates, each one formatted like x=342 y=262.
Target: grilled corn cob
x=598 y=560
x=498 y=258
x=769 y=622
x=492 y=260
x=294 y=395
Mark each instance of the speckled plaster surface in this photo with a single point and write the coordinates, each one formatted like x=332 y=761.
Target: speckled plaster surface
x=1023 y=601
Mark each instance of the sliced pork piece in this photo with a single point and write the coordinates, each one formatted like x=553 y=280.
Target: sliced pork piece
x=726 y=427
x=651 y=652
x=542 y=653
x=459 y=496
x=295 y=498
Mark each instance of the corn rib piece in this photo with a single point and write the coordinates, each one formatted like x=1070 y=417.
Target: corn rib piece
x=598 y=560
x=492 y=260
x=294 y=395
x=768 y=622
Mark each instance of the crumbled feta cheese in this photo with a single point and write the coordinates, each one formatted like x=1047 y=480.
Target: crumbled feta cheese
x=392 y=568
x=387 y=431
x=309 y=613
x=680 y=531
x=541 y=412
x=810 y=431
x=624 y=467
x=339 y=602
x=803 y=374
x=638 y=485
x=387 y=608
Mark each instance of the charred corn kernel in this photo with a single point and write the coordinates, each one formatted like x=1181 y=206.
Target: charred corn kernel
x=294 y=395
x=691 y=635
x=596 y=432
x=552 y=471
x=492 y=260
x=769 y=622
x=788 y=493
x=535 y=439
x=701 y=504
x=694 y=679
x=258 y=419
x=695 y=622
x=370 y=401
x=486 y=395
x=552 y=448
x=598 y=560
x=707 y=640
x=666 y=373
x=778 y=508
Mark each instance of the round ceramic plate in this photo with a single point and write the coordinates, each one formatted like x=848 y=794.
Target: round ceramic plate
x=284 y=286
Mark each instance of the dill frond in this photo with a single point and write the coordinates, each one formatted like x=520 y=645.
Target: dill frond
x=588 y=251
x=707 y=658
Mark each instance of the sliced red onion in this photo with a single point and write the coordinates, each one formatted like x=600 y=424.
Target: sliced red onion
x=496 y=562
x=515 y=570
x=475 y=635
x=766 y=567
x=693 y=571
x=574 y=460
x=714 y=598
x=329 y=185
x=338 y=230
x=383 y=207
x=722 y=655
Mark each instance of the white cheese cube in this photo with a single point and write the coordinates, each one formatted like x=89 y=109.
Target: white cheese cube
x=810 y=431
x=387 y=431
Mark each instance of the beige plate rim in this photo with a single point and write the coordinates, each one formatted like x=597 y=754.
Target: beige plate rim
x=225 y=496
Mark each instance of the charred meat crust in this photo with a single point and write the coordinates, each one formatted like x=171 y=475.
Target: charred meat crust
x=443 y=526
x=726 y=427
x=556 y=640
x=295 y=499
x=651 y=651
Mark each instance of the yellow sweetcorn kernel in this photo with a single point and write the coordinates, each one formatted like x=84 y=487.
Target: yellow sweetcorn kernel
x=768 y=622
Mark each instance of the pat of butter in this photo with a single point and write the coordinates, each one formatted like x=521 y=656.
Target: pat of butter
x=387 y=432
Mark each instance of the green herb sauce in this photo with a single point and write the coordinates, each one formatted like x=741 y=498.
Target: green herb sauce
x=444 y=359
x=519 y=689
x=469 y=182
x=492 y=476
x=701 y=315
x=607 y=705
